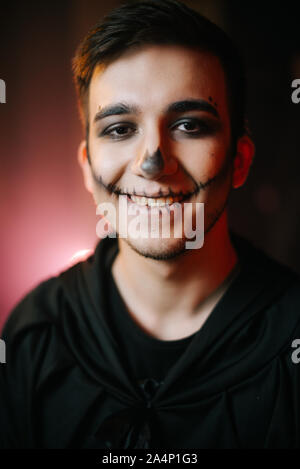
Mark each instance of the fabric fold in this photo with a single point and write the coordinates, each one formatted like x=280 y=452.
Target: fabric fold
x=233 y=386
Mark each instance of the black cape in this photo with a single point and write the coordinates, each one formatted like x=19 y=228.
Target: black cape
x=64 y=384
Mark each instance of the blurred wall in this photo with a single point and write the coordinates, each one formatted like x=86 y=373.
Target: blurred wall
x=46 y=213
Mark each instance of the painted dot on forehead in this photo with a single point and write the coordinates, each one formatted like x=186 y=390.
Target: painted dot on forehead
x=210 y=99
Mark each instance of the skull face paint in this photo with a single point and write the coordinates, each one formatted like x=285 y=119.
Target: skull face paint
x=159 y=135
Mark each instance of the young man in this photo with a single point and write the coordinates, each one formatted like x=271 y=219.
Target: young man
x=149 y=344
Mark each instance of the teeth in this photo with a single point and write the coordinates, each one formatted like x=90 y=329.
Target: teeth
x=158 y=202
x=139 y=200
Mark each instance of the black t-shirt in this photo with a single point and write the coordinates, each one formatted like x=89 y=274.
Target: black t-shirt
x=144 y=356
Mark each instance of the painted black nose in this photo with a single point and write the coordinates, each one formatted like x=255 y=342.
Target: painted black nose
x=153 y=164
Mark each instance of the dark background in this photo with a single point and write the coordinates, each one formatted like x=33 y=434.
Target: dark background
x=46 y=214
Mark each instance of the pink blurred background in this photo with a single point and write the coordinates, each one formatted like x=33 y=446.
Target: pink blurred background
x=47 y=215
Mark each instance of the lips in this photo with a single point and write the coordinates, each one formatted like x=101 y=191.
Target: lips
x=159 y=200
x=154 y=202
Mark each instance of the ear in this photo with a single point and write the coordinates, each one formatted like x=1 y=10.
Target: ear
x=85 y=166
x=242 y=160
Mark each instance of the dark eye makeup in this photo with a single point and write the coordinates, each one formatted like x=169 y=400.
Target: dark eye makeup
x=195 y=127
x=118 y=131
x=189 y=127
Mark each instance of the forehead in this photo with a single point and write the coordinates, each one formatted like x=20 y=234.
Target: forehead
x=154 y=76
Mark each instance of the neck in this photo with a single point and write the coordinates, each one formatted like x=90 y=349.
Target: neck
x=180 y=284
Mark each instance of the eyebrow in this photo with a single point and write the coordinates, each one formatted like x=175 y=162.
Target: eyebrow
x=193 y=105
x=176 y=107
x=116 y=110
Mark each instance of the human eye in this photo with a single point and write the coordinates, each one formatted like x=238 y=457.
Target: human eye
x=118 y=131
x=194 y=127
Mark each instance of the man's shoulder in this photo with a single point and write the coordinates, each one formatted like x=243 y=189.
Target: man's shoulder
x=40 y=307
x=37 y=308
x=254 y=258
x=278 y=282
x=73 y=288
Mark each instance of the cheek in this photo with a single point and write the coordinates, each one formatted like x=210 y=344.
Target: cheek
x=109 y=161
x=203 y=159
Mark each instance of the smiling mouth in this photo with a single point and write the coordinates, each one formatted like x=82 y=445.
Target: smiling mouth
x=159 y=201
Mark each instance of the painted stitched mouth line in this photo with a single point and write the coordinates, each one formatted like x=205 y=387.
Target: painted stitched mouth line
x=181 y=195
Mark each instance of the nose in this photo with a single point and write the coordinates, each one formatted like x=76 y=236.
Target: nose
x=154 y=164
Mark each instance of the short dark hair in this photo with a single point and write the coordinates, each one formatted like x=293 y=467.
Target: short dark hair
x=159 y=22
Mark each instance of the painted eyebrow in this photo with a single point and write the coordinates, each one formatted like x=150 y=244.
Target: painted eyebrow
x=119 y=109
x=116 y=110
x=193 y=105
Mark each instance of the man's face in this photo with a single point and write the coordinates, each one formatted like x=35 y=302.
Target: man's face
x=159 y=125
